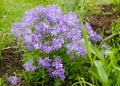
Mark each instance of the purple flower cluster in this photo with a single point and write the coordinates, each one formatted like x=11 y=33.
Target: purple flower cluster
x=59 y=71
x=74 y=35
x=93 y=36
x=13 y=80
x=47 y=29
x=41 y=28
x=54 y=68
x=45 y=63
x=29 y=66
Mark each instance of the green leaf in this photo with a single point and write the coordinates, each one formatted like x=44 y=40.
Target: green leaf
x=101 y=72
x=116 y=68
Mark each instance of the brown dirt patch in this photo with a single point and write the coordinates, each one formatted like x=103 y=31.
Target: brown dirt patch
x=102 y=21
x=11 y=62
x=107 y=8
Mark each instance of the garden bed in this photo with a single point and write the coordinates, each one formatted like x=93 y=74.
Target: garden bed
x=11 y=62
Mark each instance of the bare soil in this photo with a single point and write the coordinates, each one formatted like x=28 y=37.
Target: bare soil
x=102 y=21
x=11 y=62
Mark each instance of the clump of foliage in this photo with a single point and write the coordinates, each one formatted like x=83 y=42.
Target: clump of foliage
x=55 y=51
x=52 y=33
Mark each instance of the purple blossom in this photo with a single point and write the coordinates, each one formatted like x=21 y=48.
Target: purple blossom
x=54 y=68
x=58 y=71
x=33 y=16
x=92 y=34
x=29 y=66
x=47 y=29
x=105 y=46
x=13 y=80
x=78 y=47
x=17 y=29
x=72 y=57
x=31 y=41
x=106 y=49
x=44 y=63
x=71 y=19
x=106 y=53
x=53 y=13
x=57 y=63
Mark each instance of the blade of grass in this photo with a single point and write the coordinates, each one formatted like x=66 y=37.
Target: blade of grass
x=1 y=46
x=84 y=32
x=86 y=41
x=109 y=37
x=116 y=68
x=101 y=72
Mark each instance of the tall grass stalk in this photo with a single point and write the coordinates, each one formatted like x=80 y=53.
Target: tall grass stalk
x=79 y=11
x=1 y=46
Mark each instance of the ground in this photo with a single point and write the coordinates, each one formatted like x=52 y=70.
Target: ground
x=103 y=20
x=11 y=62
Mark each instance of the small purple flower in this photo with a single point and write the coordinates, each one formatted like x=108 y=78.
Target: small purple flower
x=106 y=53
x=106 y=49
x=17 y=29
x=72 y=57
x=105 y=46
x=29 y=66
x=59 y=73
x=13 y=80
x=78 y=47
x=44 y=63
x=58 y=70
x=92 y=34
x=57 y=63
x=71 y=19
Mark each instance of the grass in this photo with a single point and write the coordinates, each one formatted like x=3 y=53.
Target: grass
x=103 y=71
x=2 y=82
